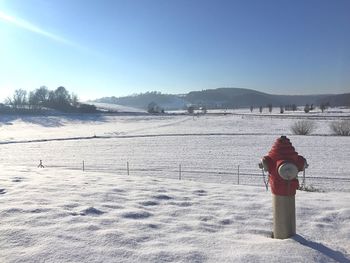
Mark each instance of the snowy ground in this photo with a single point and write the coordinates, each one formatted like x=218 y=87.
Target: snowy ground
x=62 y=214
x=217 y=143
x=116 y=107
x=53 y=215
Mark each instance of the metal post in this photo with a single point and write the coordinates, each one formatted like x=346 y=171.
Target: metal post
x=83 y=166
x=127 y=168
x=238 y=175
x=179 y=171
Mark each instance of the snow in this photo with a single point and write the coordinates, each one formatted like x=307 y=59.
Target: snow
x=116 y=107
x=63 y=214
x=217 y=143
x=55 y=215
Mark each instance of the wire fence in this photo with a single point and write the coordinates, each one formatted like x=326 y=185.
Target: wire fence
x=312 y=180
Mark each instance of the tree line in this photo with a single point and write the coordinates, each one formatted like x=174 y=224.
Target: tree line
x=42 y=99
x=292 y=107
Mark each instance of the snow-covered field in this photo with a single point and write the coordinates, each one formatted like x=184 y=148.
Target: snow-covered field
x=62 y=214
x=217 y=143
x=52 y=215
x=116 y=107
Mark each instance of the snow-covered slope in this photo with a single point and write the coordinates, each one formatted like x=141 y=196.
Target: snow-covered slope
x=116 y=107
x=54 y=215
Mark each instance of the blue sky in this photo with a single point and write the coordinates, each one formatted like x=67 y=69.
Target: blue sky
x=115 y=48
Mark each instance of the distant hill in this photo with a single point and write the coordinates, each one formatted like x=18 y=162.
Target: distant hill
x=336 y=100
x=225 y=98
x=166 y=101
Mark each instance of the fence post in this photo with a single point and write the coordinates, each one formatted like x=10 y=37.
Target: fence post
x=83 y=165
x=304 y=178
x=127 y=168
x=179 y=171
x=238 y=174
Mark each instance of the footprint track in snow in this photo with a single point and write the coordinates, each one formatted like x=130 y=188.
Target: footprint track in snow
x=91 y=211
x=136 y=215
x=162 y=197
x=200 y=192
x=17 y=179
x=149 y=203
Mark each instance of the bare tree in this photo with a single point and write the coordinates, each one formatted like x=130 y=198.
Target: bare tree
x=323 y=106
x=75 y=100
x=42 y=95
x=270 y=107
x=33 y=100
x=19 y=99
x=281 y=109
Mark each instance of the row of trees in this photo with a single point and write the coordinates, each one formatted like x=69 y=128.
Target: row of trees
x=154 y=108
x=292 y=107
x=59 y=99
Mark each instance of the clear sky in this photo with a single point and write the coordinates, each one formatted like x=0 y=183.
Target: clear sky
x=98 y=48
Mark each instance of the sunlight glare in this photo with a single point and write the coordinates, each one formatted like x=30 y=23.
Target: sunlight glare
x=20 y=23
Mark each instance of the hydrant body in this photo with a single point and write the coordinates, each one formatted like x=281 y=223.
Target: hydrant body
x=283 y=164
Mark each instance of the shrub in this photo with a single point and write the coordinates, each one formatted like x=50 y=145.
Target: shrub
x=309 y=188
x=86 y=108
x=303 y=127
x=341 y=128
x=190 y=109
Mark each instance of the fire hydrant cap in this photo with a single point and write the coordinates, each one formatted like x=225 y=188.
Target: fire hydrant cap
x=288 y=171
x=283 y=149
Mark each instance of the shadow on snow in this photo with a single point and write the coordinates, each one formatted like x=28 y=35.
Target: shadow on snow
x=333 y=254
x=52 y=120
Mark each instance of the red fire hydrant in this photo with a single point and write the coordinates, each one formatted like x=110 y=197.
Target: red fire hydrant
x=283 y=164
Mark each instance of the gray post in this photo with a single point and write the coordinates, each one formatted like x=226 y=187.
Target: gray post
x=127 y=168
x=238 y=175
x=83 y=166
x=283 y=216
x=179 y=171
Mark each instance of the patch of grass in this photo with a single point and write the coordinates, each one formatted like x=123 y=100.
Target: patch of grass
x=309 y=188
